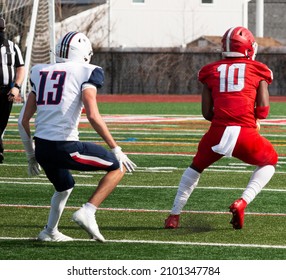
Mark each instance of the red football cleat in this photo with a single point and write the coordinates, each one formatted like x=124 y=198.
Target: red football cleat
x=237 y=210
x=172 y=221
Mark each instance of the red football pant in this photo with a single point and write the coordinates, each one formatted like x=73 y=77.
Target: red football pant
x=251 y=148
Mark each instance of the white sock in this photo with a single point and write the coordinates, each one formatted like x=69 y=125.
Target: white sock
x=90 y=208
x=58 y=203
x=189 y=181
x=260 y=177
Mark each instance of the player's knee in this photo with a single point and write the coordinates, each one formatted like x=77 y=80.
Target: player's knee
x=274 y=159
x=64 y=184
x=271 y=158
x=62 y=188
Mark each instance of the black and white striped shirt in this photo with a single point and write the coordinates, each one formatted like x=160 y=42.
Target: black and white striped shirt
x=10 y=59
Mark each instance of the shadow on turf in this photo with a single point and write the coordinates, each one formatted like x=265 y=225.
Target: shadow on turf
x=187 y=226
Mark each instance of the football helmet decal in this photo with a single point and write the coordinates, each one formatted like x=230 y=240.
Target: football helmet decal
x=239 y=42
x=74 y=46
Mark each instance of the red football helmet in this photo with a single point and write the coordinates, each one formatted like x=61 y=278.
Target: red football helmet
x=239 y=42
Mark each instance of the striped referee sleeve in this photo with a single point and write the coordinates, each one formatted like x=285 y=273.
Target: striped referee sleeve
x=19 y=61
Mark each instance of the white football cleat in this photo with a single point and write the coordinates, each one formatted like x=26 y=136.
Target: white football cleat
x=88 y=223
x=55 y=237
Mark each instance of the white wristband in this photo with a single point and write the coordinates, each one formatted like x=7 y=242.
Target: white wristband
x=116 y=149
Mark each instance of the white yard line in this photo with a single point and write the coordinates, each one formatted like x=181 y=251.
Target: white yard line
x=165 y=242
x=31 y=181
x=142 y=210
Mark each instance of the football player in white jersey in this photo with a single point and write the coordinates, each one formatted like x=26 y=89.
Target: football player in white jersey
x=59 y=92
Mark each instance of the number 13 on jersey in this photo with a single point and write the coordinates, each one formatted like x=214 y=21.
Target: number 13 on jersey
x=52 y=87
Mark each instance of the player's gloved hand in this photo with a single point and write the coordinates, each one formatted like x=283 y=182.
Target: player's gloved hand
x=33 y=167
x=123 y=159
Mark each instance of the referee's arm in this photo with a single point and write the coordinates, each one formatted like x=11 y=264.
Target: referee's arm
x=15 y=92
x=19 y=75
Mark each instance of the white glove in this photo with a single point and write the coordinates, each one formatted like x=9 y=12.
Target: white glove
x=33 y=167
x=123 y=159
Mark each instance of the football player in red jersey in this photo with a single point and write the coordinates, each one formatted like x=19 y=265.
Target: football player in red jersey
x=235 y=95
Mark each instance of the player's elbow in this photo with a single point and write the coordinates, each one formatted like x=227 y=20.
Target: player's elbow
x=23 y=122
x=91 y=117
x=208 y=115
x=96 y=122
x=20 y=122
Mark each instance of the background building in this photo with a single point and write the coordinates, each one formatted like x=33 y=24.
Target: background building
x=151 y=46
x=274 y=18
x=166 y=23
x=157 y=23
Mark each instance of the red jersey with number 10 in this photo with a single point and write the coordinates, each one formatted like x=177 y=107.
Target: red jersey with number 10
x=233 y=83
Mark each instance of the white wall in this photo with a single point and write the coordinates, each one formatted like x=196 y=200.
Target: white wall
x=157 y=23
x=169 y=23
